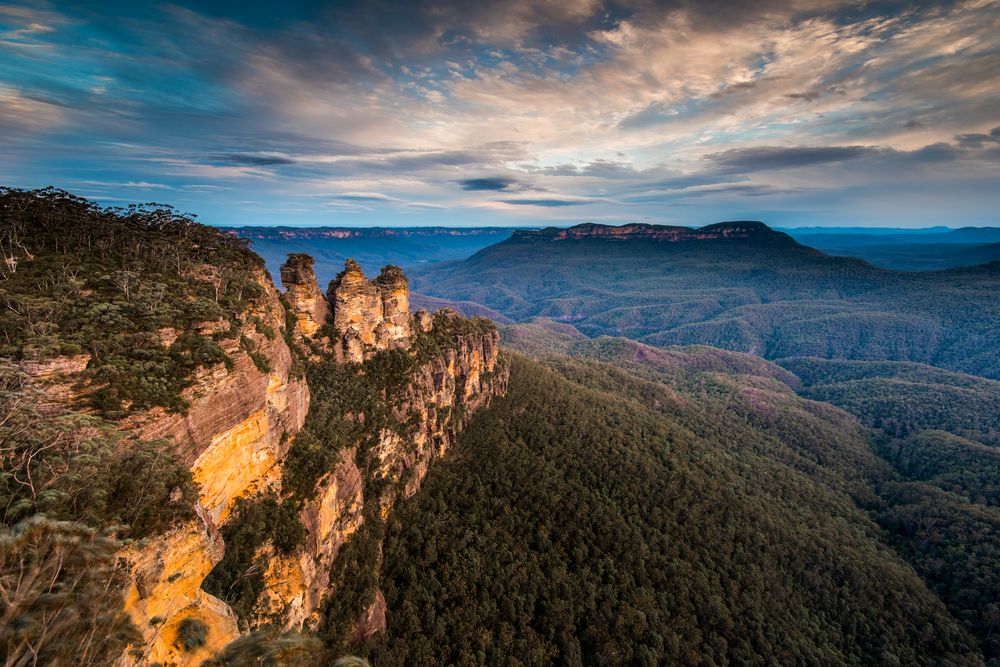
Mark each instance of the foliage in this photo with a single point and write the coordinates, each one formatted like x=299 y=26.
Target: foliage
x=573 y=525
x=192 y=634
x=940 y=431
x=356 y=570
x=60 y=583
x=75 y=467
x=107 y=281
x=254 y=522
x=271 y=650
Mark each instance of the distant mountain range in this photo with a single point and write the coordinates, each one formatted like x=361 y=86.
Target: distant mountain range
x=739 y=286
x=927 y=249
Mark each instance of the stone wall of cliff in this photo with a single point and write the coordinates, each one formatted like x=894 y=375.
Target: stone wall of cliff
x=370 y=315
x=241 y=426
x=414 y=421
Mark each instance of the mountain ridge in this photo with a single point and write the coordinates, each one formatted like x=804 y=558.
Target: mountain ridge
x=735 y=229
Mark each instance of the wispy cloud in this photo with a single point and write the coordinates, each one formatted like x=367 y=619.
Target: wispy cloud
x=493 y=112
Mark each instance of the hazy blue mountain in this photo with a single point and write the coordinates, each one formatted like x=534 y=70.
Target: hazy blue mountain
x=738 y=286
x=929 y=249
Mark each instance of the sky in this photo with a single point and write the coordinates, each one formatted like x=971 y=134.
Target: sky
x=515 y=113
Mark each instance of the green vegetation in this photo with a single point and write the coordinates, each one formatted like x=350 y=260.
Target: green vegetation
x=255 y=522
x=940 y=431
x=905 y=398
x=574 y=525
x=61 y=584
x=351 y=405
x=70 y=486
x=73 y=467
x=765 y=294
x=192 y=634
x=123 y=293
x=112 y=283
x=289 y=649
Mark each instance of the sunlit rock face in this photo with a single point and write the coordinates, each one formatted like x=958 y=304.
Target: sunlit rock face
x=370 y=315
x=237 y=429
x=307 y=301
x=241 y=422
x=438 y=398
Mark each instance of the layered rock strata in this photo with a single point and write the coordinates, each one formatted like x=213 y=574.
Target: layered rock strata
x=310 y=307
x=370 y=315
x=241 y=423
x=237 y=429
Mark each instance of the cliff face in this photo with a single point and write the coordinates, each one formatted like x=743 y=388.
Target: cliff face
x=236 y=430
x=433 y=403
x=303 y=293
x=242 y=422
x=719 y=231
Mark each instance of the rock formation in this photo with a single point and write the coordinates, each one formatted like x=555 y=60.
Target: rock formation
x=744 y=229
x=299 y=280
x=236 y=430
x=370 y=315
x=242 y=421
x=434 y=404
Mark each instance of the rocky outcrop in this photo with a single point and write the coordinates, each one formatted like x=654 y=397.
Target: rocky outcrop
x=370 y=315
x=241 y=421
x=56 y=376
x=238 y=427
x=427 y=412
x=299 y=280
x=165 y=591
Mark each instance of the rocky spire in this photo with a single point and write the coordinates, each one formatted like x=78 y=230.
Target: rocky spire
x=299 y=281
x=370 y=315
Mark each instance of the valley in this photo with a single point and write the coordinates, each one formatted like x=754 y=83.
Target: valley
x=674 y=445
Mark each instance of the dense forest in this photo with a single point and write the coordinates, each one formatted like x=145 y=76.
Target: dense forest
x=578 y=526
x=764 y=294
x=938 y=501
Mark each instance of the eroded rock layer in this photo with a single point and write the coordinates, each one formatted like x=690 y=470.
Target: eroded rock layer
x=241 y=423
x=370 y=315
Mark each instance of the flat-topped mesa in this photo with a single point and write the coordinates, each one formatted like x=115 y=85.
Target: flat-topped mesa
x=370 y=315
x=743 y=229
x=310 y=306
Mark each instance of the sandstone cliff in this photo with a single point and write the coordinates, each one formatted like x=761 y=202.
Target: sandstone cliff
x=236 y=430
x=303 y=294
x=242 y=423
x=369 y=316
x=390 y=395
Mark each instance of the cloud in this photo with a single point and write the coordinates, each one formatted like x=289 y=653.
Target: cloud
x=630 y=107
x=254 y=159
x=543 y=202
x=491 y=184
x=553 y=201
x=762 y=158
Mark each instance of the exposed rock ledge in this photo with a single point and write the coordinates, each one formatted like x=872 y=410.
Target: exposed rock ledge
x=240 y=425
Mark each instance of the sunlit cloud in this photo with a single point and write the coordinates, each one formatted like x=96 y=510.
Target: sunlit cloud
x=502 y=113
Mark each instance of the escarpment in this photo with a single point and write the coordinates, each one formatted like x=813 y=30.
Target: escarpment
x=324 y=413
x=194 y=454
x=297 y=445
x=241 y=419
x=388 y=396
